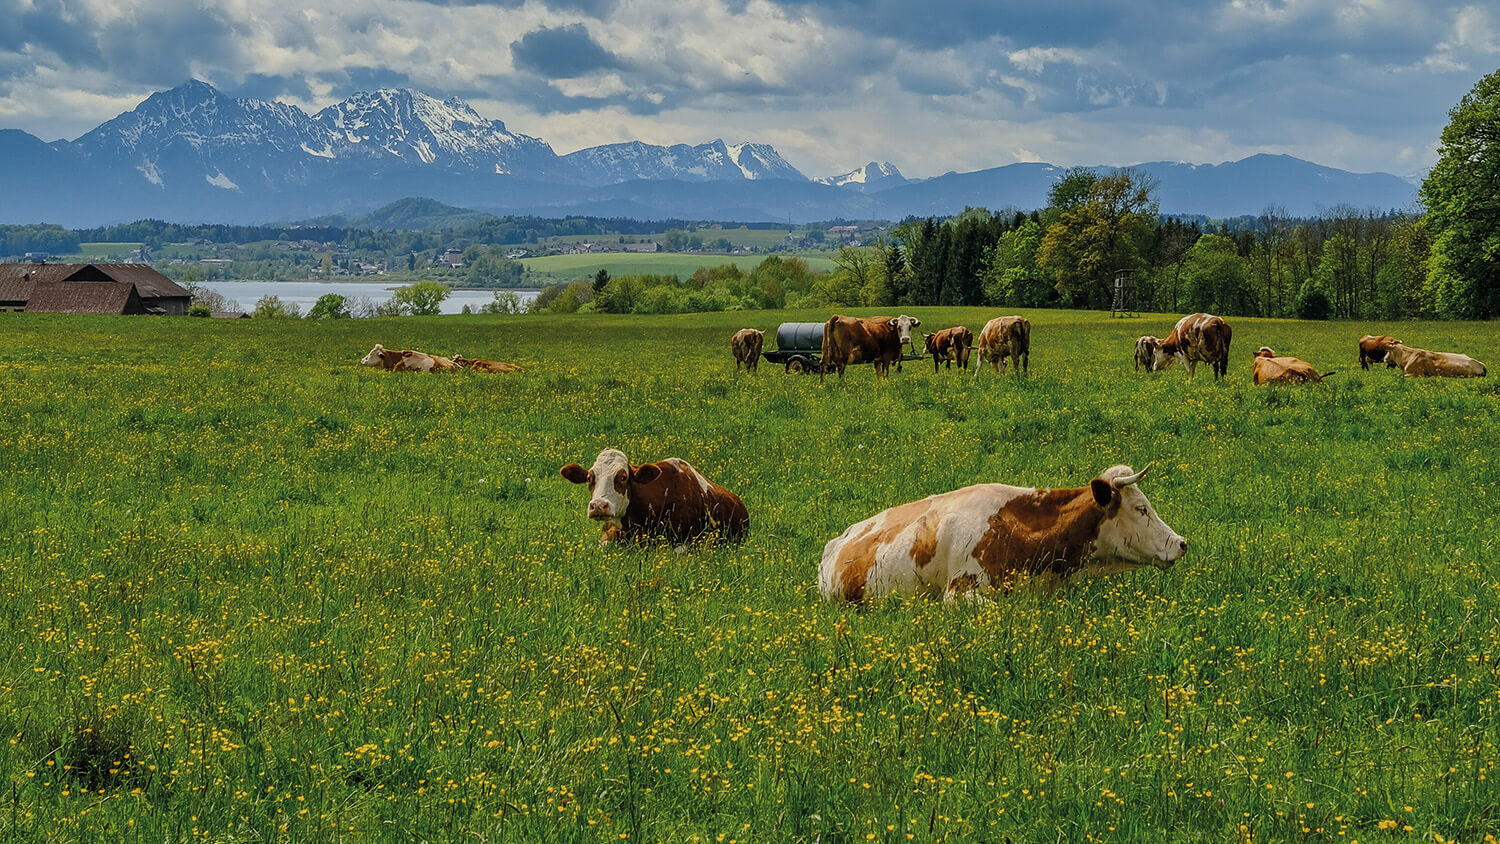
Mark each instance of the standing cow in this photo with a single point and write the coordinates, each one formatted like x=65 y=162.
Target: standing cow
x=1197 y=338
x=1145 y=352
x=1420 y=363
x=877 y=340
x=745 y=345
x=971 y=540
x=1002 y=337
x=668 y=499
x=1373 y=348
x=949 y=345
x=1269 y=368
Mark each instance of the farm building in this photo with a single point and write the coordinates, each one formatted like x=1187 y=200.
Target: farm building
x=90 y=289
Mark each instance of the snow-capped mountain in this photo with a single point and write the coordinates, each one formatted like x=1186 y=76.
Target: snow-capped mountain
x=714 y=161
x=877 y=175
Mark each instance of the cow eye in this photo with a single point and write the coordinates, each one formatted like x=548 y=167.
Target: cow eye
x=1141 y=509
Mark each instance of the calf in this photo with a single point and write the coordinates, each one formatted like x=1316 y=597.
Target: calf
x=1420 y=363
x=1197 y=338
x=745 y=346
x=972 y=540
x=482 y=365
x=1268 y=368
x=1372 y=349
x=1002 y=337
x=1145 y=352
x=949 y=345
x=668 y=499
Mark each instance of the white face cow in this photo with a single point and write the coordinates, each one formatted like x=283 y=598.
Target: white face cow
x=903 y=325
x=609 y=482
x=1134 y=535
x=373 y=358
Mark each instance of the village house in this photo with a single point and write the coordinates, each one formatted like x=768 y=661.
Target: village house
x=90 y=289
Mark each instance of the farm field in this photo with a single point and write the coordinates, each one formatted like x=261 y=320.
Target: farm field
x=254 y=591
x=739 y=236
x=557 y=268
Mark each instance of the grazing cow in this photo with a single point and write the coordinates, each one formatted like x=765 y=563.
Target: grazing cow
x=1372 y=349
x=949 y=345
x=1268 y=368
x=1145 y=352
x=876 y=340
x=1196 y=338
x=406 y=360
x=669 y=499
x=1420 y=363
x=1002 y=337
x=972 y=540
x=745 y=345
x=482 y=365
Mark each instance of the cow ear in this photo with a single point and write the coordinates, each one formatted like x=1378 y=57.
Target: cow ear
x=1103 y=492
x=645 y=474
x=575 y=473
x=916 y=322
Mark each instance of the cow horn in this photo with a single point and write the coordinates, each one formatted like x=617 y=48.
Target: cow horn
x=1130 y=479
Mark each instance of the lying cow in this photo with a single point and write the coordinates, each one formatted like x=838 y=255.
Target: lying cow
x=1269 y=368
x=1420 y=363
x=949 y=345
x=1197 y=338
x=877 y=340
x=482 y=365
x=972 y=540
x=745 y=346
x=1002 y=337
x=1372 y=349
x=1145 y=352
x=406 y=360
x=668 y=499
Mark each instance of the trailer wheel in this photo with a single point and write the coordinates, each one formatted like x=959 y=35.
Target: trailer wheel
x=797 y=366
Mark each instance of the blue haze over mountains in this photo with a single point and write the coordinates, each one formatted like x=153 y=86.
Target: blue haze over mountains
x=193 y=154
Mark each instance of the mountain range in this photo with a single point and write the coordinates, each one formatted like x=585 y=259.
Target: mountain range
x=194 y=154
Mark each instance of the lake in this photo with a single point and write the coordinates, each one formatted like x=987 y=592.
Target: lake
x=304 y=293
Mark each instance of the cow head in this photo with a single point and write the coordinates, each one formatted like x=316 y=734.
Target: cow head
x=1396 y=355
x=610 y=482
x=903 y=325
x=1131 y=533
x=1146 y=352
x=376 y=357
x=1264 y=352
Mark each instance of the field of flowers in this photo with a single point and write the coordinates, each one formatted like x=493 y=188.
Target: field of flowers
x=253 y=591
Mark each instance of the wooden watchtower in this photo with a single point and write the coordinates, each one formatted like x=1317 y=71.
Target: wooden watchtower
x=1124 y=298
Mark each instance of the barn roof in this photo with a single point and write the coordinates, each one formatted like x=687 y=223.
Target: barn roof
x=84 y=297
x=149 y=283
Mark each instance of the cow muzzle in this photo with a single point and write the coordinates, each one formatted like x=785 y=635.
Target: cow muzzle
x=600 y=510
x=1176 y=550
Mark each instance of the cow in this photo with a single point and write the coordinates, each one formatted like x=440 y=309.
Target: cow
x=482 y=365
x=877 y=340
x=406 y=360
x=668 y=499
x=1415 y=363
x=949 y=345
x=1372 y=349
x=1145 y=352
x=1196 y=338
x=745 y=346
x=1002 y=337
x=1269 y=368
x=965 y=543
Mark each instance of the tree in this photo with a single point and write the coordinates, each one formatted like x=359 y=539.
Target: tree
x=329 y=306
x=1462 y=195
x=424 y=298
x=601 y=278
x=1073 y=189
x=1098 y=236
x=1215 y=279
x=1011 y=276
x=271 y=307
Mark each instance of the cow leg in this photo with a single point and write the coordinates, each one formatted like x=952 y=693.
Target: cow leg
x=968 y=586
x=1026 y=359
x=1192 y=367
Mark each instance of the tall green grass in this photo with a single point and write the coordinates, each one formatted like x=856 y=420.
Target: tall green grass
x=253 y=591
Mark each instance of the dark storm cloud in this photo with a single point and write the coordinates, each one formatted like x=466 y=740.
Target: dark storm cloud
x=566 y=52
x=157 y=46
x=260 y=86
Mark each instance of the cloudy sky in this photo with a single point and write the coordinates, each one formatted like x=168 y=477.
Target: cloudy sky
x=929 y=86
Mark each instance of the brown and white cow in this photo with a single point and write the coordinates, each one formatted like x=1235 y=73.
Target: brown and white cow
x=878 y=340
x=1269 y=368
x=972 y=540
x=406 y=360
x=668 y=499
x=1002 y=337
x=1145 y=352
x=1372 y=349
x=949 y=345
x=1196 y=338
x=1420 y=363
x=482 y=365
x=745 y=346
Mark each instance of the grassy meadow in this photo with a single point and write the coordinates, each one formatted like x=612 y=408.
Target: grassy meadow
x=254 y=591
x=555 y=268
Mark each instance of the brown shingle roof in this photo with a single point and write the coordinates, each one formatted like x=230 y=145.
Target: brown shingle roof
x=84 y=297
x=149 y=283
